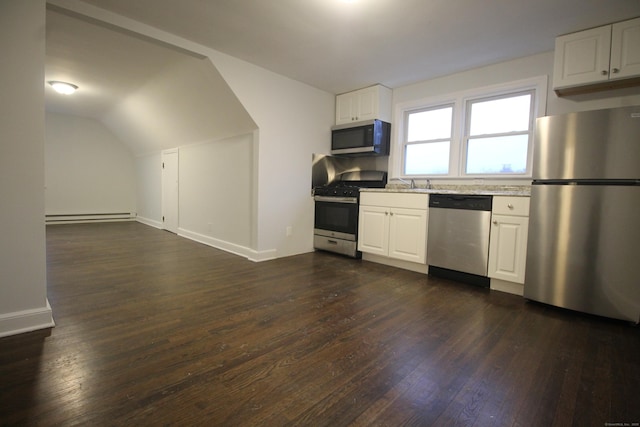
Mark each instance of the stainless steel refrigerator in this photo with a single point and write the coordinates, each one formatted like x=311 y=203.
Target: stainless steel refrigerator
x=584 y=228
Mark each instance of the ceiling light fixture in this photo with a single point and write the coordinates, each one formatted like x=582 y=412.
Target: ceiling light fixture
x=63 y=87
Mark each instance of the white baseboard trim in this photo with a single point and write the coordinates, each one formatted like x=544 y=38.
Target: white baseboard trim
x=509 y=287
x=149 y=222
x=392 y=262
x=23 y=321
x=259 y=256
x=250 y=254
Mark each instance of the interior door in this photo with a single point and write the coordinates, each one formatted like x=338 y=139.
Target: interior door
x=170 y=186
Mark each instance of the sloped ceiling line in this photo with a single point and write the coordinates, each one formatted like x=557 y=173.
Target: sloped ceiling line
x=150 y=95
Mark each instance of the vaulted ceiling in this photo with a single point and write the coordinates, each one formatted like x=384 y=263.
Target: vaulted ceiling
x=151 y=96
x=339 y=45
x=333 y=45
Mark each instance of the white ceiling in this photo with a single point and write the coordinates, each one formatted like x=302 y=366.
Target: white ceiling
x=340 y=46
x=107 y=65
x=329 y=44
x=149 y=95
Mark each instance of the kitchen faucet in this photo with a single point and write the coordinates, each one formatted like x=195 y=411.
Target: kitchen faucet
x=411 y=184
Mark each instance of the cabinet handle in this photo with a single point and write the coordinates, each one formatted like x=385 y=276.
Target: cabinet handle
x=386 y=213
x=615 y=70
x=510 y=206
x=495 y=222
x=604 y=72
x=391 y=213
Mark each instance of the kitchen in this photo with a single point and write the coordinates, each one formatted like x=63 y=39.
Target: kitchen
x=585 y=163
x=24 y=279
x=272 y=231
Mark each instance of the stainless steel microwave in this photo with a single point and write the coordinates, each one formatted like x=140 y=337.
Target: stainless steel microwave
x=367 y=138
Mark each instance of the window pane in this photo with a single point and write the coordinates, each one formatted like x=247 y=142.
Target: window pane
x=430 y=124
x=506 y=154
x=500 y=115
x=427 y=159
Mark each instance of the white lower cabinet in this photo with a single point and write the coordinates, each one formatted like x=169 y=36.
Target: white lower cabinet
x=373 y=230
x=508 y=243
x=394 y=225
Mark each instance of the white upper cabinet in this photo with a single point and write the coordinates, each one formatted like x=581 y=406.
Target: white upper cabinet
x=365 y=104
x=582 y=58
x=598 y=57
x=625 y=49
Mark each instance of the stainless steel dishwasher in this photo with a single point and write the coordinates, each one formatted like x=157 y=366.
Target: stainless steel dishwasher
x=458 y=242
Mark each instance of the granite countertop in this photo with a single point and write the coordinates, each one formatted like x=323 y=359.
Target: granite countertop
x=490 y=190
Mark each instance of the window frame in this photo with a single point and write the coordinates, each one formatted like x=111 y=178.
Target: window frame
x=466 y=134
x=407 y=143
x=459 y=144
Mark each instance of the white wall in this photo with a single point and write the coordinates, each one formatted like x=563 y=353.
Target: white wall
x=149 y=188
x=23 y=291
x=519 y=69
x=293 y=122
x=87 y=169
x=215 y=193
x=185 y=103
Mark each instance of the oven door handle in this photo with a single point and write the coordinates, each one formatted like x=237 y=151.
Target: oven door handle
x=336 y=199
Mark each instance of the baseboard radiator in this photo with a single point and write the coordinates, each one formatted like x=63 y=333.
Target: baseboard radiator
x=92 y=217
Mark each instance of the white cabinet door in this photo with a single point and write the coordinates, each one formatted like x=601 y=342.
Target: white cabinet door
x=367 y=104
x=582 y=57
x=508 y=248
x=373 y=230
x=364 y=104
x=408 y=235
x=357 y=106
x=625 y=49
x=345 y=108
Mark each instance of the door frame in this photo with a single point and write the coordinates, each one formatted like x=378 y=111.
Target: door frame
x=170 y=202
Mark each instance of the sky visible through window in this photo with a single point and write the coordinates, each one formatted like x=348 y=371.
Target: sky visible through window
x=495 y=138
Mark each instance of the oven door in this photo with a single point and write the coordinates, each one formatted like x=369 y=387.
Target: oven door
x=336 y=217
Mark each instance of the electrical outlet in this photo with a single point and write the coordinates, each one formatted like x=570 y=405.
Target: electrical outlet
x=210 y=227
x=289 y=231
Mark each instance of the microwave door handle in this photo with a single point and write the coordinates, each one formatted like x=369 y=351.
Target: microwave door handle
x=352 y=150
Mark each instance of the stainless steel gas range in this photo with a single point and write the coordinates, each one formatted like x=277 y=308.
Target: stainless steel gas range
x=336 y=211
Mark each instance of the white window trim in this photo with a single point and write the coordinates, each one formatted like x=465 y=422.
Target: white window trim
x=459 y=99
x=405 y=125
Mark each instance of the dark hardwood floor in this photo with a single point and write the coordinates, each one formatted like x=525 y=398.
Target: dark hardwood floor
x=154 y=329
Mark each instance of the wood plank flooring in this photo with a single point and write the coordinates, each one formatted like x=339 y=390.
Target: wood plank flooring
x=154 y=329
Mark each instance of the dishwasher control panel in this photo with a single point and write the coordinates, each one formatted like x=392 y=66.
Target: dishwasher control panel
x=461 y=201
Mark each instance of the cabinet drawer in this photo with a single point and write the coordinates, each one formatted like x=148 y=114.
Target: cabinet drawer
x=510 y=205
x=395 y=200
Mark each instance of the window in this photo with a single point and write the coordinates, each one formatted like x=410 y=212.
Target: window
x=428 y=141
x=497 y=134
x=480 y=133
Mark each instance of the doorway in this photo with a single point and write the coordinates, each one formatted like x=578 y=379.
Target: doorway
x=170 y=190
